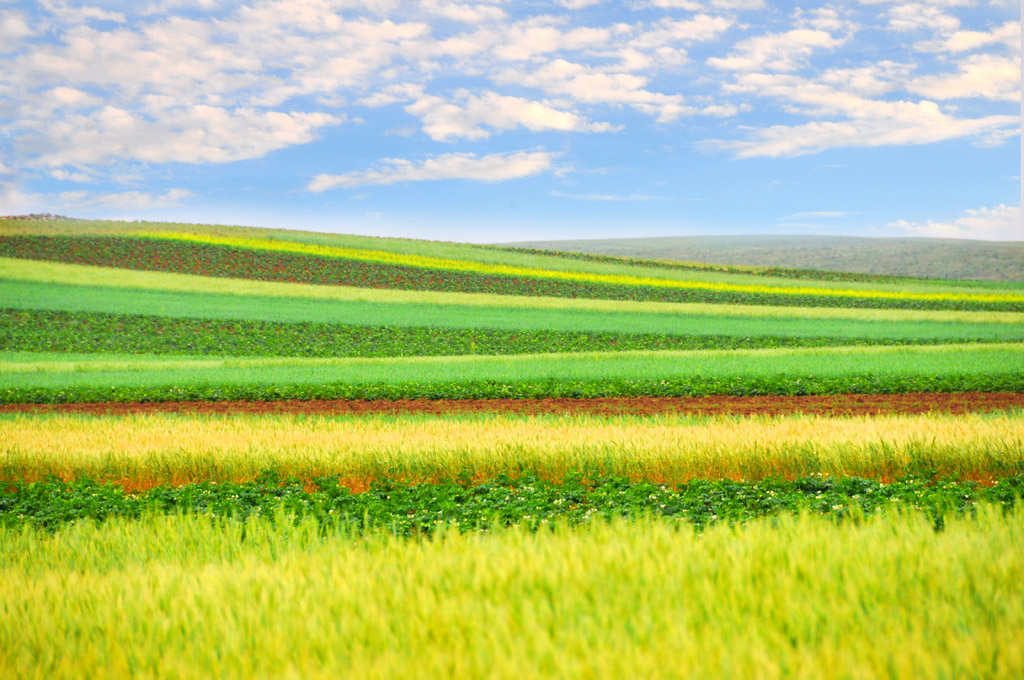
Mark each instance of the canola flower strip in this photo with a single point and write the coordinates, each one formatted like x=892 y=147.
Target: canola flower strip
x=220 y=259
x=776 y=598
x=52 y=331
x=410 y=509
x=141 y=451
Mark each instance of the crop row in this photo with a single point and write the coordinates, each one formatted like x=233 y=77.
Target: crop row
x=85 y=332
x=174 y=255
x=783 y=385
x=158 y=449
x=408 y=509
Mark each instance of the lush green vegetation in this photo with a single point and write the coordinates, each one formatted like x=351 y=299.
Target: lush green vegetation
x=903 y=326
x=51 y=331
x=408 y=509
x=734 y=372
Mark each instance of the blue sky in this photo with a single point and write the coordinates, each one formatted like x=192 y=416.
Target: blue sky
x=500 y=121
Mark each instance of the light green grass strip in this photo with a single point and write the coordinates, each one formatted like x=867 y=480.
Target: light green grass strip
x=788 y=597
x=14 y=269
x=723 y=284
x=55 y=371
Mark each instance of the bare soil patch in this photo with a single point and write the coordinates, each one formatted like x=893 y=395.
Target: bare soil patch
x=837 y=405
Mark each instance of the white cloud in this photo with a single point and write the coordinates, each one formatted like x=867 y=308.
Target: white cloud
x=980 y=75
x=495 y=167
x=578 y=4
x=198 y=134
x=14 y=201
x=13 y=29
x=909 y=123
x=777 y=51
x=917 y=16
x=594 y=86
x=1002 y=223
x=528 y=39
x=80 y=14
x=126 y=200
x=862 y=121
x=469 y=113
x=66 y=176
x=457 y=11
x=962 y=41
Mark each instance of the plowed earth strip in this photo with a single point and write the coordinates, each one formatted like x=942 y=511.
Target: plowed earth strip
x=837 y=405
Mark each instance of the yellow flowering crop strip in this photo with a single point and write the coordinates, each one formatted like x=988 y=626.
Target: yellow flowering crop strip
x=170 y=449
x=424 y=262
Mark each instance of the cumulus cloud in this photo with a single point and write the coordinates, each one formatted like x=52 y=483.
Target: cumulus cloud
x=902 y=123
x=1002 y=223
x=777 y=51
x=197 y=134
x=227 y=81
x=917 y=16
x=851 y=116
x=597 y=86
x=982 y=75
x=1007 y=34
x=495 y=167
x=468 y=114
x=13 y=29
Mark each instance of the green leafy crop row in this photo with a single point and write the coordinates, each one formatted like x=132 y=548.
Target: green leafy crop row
x=409 y=509
x=88 y=332
x=783 y=385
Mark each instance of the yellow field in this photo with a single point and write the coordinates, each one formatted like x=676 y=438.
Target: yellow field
x=164 y=597
x=161 y=448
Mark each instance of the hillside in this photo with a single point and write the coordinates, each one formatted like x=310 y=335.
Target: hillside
x=385 y=454
x=917 y=257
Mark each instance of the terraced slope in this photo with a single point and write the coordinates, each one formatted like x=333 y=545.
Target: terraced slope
x=323 y=305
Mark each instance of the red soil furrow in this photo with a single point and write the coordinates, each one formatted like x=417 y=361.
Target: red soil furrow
x=840 y=405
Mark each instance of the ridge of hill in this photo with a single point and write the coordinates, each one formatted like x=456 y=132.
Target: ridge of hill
x=903 y=257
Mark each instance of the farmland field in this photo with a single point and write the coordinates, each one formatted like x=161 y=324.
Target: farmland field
x=383 y=457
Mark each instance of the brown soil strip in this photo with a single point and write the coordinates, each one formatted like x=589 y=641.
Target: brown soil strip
x=838 y=405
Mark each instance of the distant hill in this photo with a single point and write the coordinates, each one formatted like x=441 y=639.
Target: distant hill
x=919 y=257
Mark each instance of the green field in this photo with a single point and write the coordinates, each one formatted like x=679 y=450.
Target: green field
x=495 y=544
x=70 y=377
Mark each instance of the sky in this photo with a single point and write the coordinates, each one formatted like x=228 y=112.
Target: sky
x=493 y=121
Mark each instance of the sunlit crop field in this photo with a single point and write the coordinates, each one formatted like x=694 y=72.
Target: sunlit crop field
x=440 y=530
x=802 y=597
